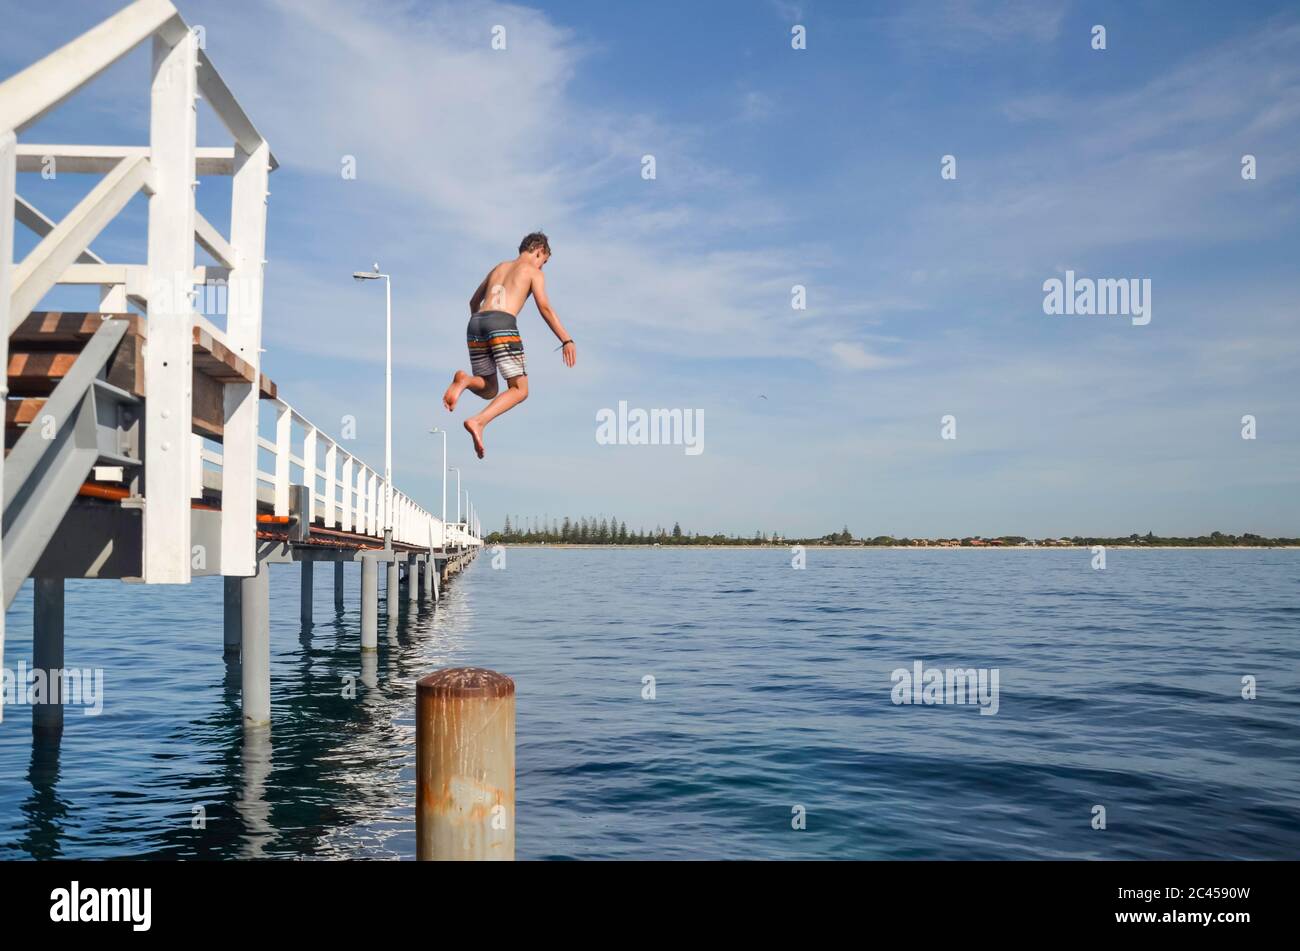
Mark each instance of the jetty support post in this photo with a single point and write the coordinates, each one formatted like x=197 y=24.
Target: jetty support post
x=308 y=584
x=255 y=669
x=233 y=621
x=412 y=580
x=369 y=603
x=338 y=586
x=393 y=592
x=430 y=568
x=47 y=656
x=465 y=766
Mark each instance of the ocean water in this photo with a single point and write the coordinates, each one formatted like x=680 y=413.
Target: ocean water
x=773 y=689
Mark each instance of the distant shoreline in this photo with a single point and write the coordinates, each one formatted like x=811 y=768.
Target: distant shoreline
x=784 y=547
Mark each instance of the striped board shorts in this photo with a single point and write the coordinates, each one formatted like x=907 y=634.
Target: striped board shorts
x=495 y=345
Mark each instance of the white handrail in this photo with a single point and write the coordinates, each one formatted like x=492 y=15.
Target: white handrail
x=346 y=502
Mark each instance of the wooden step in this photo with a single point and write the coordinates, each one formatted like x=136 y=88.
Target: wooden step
x=67 y=331
x=46 y=344
x=37 y=373
x=56 y=330
x=57 y=335
x=22 y=413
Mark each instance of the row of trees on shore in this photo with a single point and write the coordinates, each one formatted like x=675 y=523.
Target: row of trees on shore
x=604 y=530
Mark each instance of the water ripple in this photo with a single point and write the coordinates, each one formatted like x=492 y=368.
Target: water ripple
x=772 y=694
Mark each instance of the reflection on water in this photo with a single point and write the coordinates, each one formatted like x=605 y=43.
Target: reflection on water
x=1118 y=687
x=43 y=810
x=252 y=806
x=167 y=770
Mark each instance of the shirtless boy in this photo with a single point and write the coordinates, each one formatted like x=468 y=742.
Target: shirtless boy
x=493 y=335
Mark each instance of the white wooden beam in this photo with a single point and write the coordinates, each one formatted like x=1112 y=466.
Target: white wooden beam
x=244 y=337
x=27 y=96
x=283 y=452
x=59 y=249
x=331 y=481
x=347 y=492
x=309 y=470
x=119 y=283
x=113 y=298
x=168 y=357
x=8 y=170
x=102 y=273
x=36 y=221
x=213 y=241
x=228 y=110
x=100 y=159
x=370 y=502
x=134 y=276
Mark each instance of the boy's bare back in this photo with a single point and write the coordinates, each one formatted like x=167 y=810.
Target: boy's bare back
x=507 y=286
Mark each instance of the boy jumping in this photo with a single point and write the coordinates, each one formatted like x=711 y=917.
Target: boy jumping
x=493 y=335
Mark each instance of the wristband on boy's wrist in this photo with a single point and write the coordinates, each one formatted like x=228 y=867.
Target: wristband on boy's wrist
x=564 y=344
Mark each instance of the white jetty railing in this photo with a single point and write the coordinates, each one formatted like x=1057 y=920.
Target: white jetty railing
x=346 y=493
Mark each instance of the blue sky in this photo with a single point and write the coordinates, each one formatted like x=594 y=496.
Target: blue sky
x=778 y=167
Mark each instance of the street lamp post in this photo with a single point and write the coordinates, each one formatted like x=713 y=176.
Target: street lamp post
x=443 y=433
x=374 y=275
x=456 y=469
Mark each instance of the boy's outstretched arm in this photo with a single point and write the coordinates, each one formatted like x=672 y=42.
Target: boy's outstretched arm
x=552 y=320
x=477 y=300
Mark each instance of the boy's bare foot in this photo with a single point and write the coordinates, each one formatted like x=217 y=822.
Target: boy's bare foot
x=453 y=392
x=475 y=430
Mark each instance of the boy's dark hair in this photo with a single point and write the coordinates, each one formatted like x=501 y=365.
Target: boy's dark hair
x=535 y=240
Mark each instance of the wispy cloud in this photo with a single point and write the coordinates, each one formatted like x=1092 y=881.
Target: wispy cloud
x=857 y=357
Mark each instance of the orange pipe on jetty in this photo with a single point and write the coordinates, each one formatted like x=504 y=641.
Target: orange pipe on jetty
x=113 y=493
x=116 y=493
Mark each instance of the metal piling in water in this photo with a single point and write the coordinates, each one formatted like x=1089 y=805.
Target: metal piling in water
x=465 y=766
